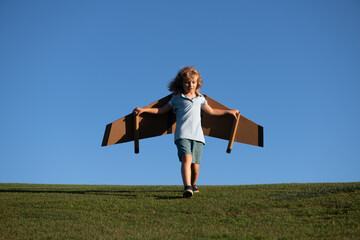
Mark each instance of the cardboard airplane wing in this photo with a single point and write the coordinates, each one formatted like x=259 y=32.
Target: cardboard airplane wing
x=133 y=128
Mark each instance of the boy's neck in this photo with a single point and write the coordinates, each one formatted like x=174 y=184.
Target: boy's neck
x=190 y=94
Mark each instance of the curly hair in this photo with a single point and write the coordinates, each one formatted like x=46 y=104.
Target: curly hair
x=186 y=73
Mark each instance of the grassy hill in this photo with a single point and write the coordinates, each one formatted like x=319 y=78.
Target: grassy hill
x=278 y=211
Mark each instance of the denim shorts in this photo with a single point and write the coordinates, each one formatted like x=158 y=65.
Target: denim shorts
x=192 y=147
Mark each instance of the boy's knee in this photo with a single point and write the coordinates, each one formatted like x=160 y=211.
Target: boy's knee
x=186 y=159
x=195 y=166
x=194 y=169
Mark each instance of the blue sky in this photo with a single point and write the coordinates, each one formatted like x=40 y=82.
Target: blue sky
x=68 y=68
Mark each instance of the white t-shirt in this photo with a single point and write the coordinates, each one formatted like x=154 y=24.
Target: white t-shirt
x=188 y=117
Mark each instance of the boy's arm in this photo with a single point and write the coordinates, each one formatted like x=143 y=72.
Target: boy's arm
x=161 y=110
x=219 y=112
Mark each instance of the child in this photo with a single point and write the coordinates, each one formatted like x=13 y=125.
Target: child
x=187 y=103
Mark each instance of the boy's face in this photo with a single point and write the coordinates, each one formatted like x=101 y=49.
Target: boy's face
x=190 y=85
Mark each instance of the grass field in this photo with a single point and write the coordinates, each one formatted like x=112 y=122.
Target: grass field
x=278 y=211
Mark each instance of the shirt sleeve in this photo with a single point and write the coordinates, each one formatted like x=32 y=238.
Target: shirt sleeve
x=171 y=102
x=204 y=101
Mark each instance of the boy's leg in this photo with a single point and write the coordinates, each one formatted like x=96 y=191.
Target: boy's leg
x=197 y=148
x=194 y=173
x=186 y=161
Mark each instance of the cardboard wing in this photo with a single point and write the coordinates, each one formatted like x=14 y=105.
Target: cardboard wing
x=133 y=128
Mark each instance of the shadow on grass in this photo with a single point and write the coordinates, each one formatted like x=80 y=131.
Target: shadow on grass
x=63 y=191
x=168 y=197
x=120 y=193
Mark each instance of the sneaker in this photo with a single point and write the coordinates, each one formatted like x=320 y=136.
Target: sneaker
x=195 y=189
x=188 y=192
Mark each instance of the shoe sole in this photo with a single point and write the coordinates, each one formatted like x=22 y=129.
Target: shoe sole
x=188 y=194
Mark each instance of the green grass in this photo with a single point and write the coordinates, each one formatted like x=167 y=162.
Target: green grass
x=278 y=211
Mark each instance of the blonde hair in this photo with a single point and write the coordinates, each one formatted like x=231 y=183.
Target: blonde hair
x=186 y=73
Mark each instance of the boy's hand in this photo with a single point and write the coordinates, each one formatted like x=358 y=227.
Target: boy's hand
x=234 y=112
x=138 y=111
